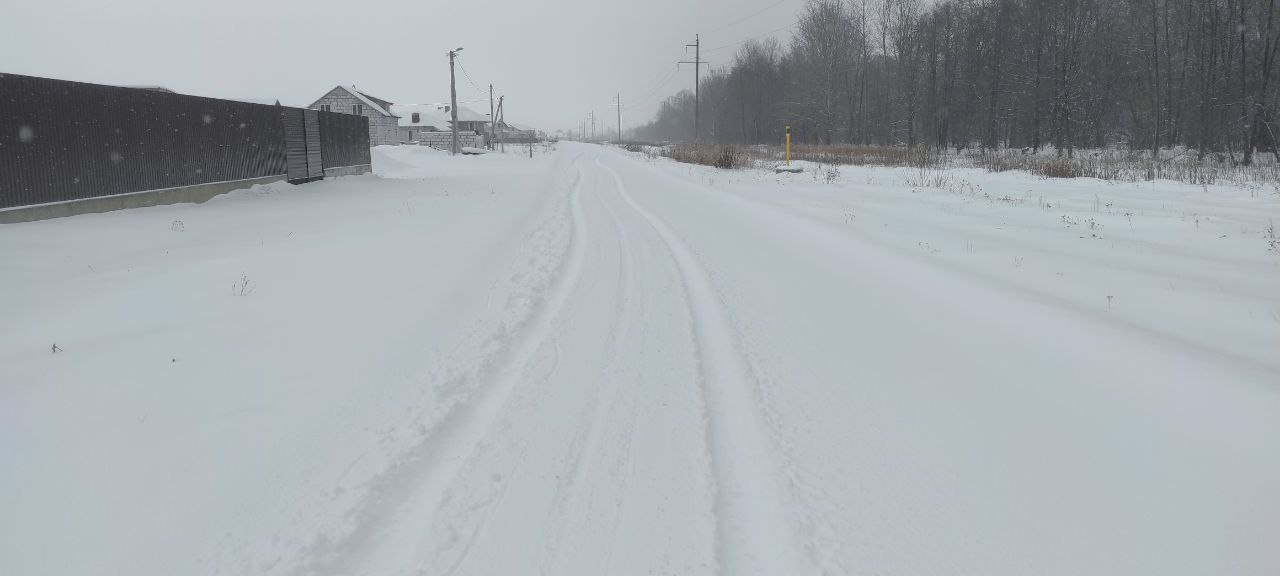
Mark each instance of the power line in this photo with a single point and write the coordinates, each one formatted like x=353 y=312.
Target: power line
x=750 y=38
x=657 y=76
x=655 y=95
x=471 y=101
x=652 y=81
x=660 y=85
x=749 y=16
x=468 y=75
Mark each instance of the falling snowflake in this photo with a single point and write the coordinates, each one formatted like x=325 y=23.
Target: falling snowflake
x=208 y=119
x=115 y=157
x=25 y=133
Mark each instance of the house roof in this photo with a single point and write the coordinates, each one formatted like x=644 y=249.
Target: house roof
x=386 y=105
x=429 y=116
x=464 y=114
x=437 y=115
x=377 y=107
x=368 y=100
x=468 y=115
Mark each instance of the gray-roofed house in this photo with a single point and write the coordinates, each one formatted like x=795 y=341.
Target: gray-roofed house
x=417 y=119
x=432 y=125
x=469 y=119
x=383 y=124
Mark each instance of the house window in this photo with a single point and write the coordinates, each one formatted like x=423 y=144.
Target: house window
x=326 y=108
x=357 y=109
x=416 y=118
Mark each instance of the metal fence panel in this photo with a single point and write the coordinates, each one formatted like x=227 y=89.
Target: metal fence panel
x=62 y=140
x=344 y=140
x=295 y=136
x=315 y=166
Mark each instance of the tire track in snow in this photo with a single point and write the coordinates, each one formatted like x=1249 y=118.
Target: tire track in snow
x=389 y=540
x=753 y=531
x=815 y=519
x=592 y=439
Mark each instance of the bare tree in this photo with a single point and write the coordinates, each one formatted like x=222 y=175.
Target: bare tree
x=1138 y=73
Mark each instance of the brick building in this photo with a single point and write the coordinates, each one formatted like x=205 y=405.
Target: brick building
x=383 y=124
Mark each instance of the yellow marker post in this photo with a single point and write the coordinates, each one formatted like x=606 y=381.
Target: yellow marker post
x=788 y=167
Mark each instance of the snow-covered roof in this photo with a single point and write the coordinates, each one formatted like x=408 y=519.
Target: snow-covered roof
x=464 y=114
x=437 y=114
x=468 y=115
x=386 y=105
x=377 y=107
x=429 y=116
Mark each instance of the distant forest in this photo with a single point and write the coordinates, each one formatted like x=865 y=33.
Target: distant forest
x=1140 y=74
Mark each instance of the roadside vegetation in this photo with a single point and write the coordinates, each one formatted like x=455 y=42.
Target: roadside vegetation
x=1109 y=89
x=1117 y=165
x=718 y=155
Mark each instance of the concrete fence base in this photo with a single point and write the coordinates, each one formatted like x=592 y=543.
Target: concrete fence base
x=196 y=194
x=348 y=170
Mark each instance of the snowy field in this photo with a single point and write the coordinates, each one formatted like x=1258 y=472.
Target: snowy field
x=595 y=362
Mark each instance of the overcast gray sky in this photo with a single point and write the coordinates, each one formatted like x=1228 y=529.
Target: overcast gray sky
x=554 y=60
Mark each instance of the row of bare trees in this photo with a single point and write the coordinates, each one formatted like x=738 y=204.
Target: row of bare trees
x=1144 y=74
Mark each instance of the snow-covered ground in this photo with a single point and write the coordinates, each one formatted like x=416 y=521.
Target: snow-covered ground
x=594 y=362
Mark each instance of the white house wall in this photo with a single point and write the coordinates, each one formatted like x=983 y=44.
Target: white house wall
x=382 y=129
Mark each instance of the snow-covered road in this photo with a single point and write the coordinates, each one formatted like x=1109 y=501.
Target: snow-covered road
x=595 y=362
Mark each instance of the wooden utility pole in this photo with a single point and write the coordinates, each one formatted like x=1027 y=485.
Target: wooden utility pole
x=697 y=66
x=501 y=114
x=493 y=120
x=453 y=99
x=619 y=104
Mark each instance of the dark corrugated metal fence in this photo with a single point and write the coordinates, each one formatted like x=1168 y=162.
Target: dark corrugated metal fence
x=337 y=133
x=315 y=166
x=295 y=135
x=63 y=140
